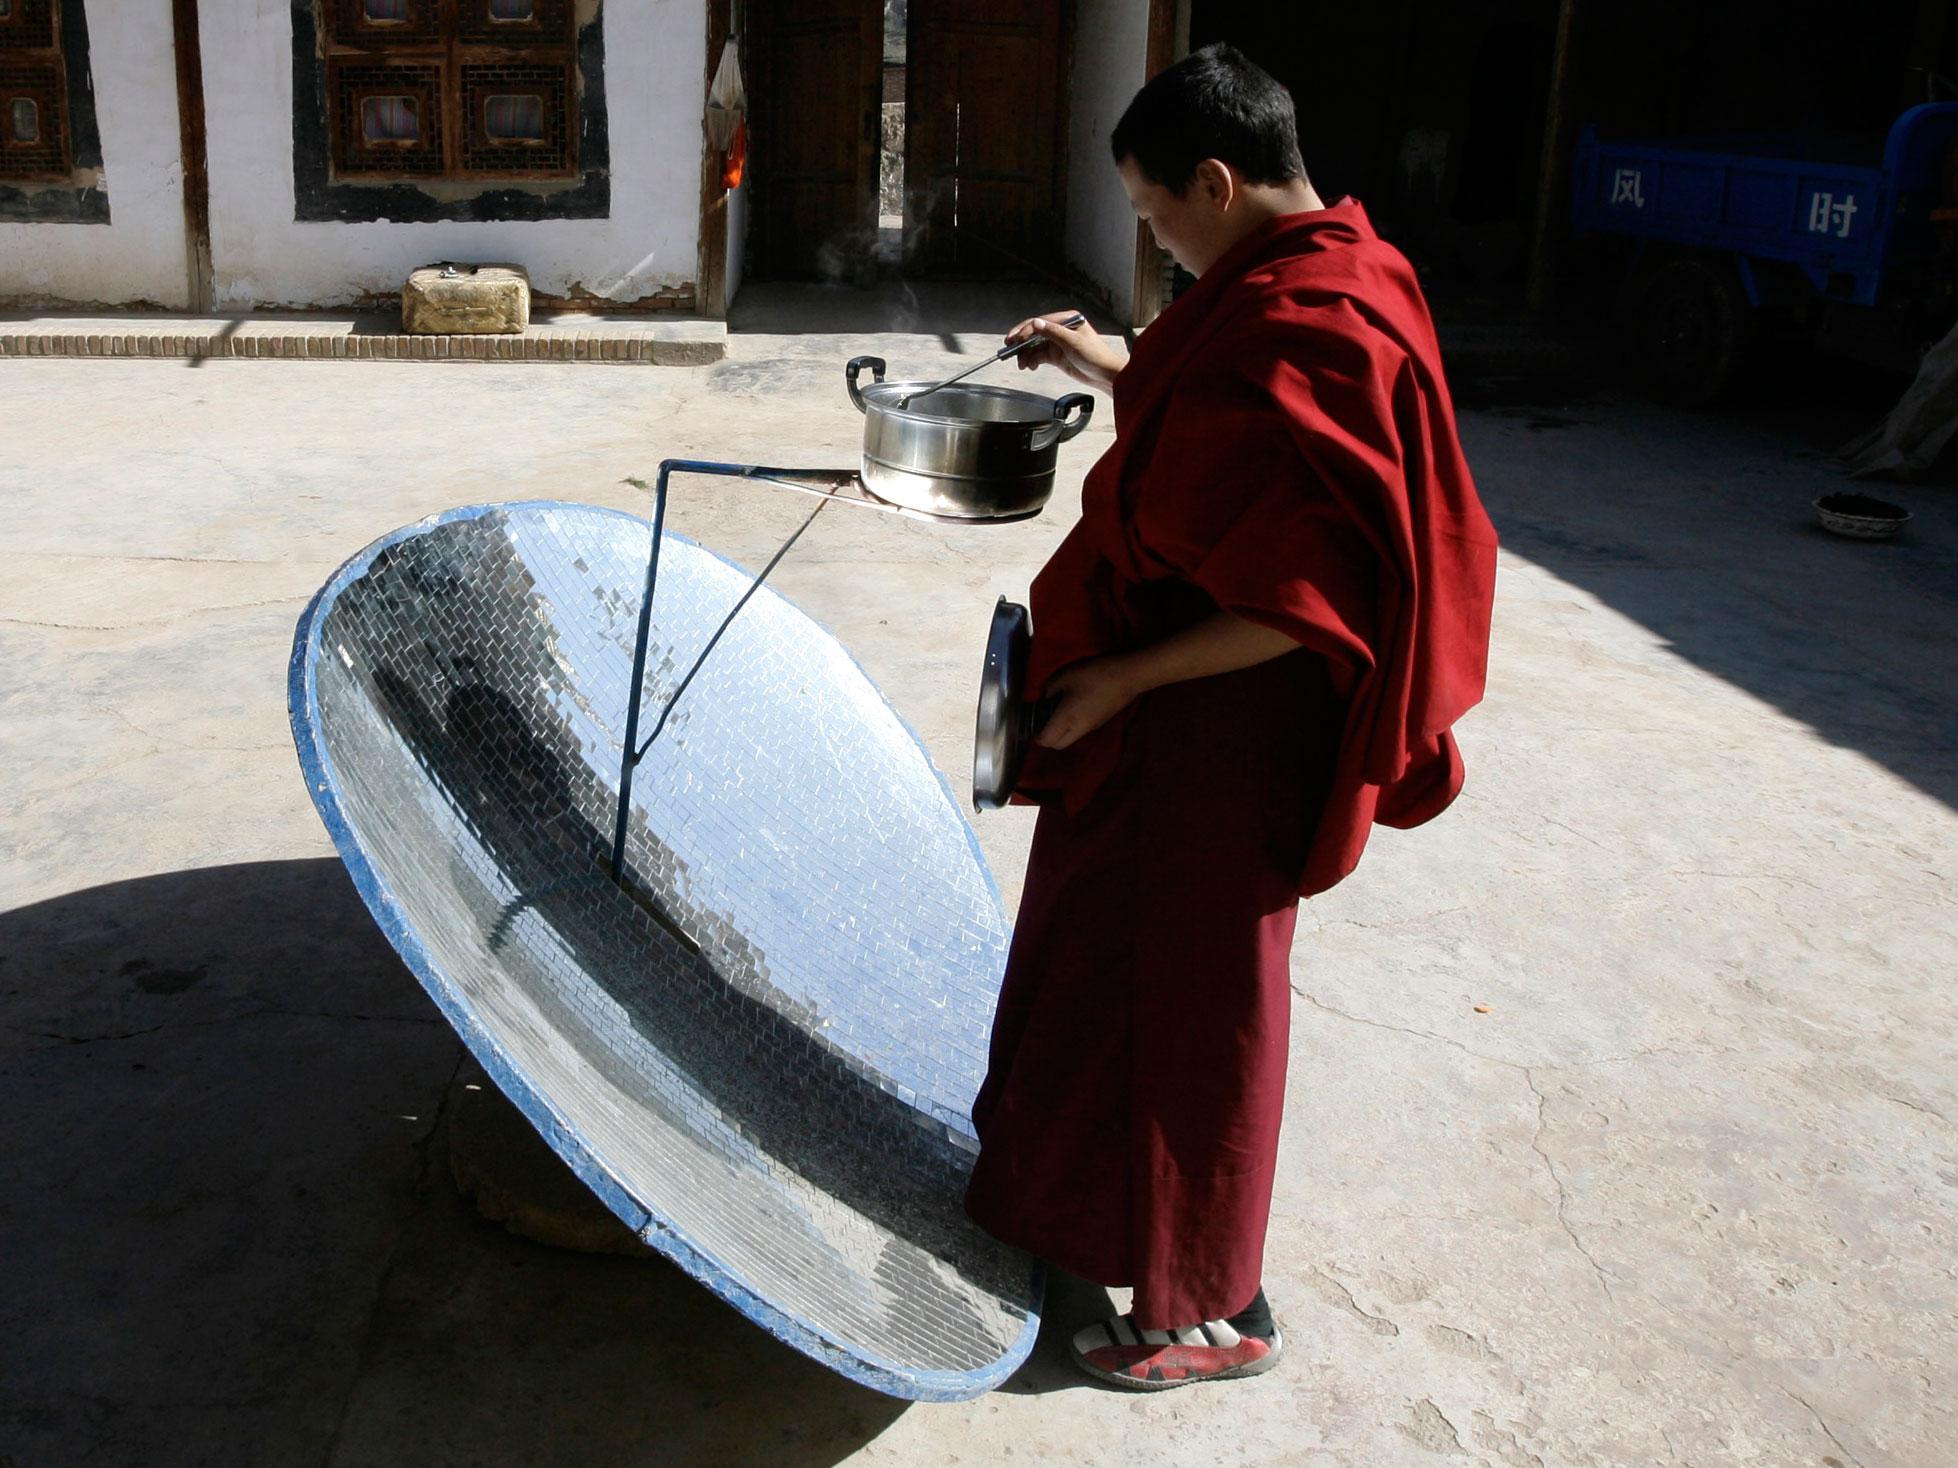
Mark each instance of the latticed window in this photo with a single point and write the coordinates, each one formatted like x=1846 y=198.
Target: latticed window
x=460 y=89
x=34 y=133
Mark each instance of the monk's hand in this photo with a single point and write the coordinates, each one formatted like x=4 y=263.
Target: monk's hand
x=1078 y=351
x=1086 y=696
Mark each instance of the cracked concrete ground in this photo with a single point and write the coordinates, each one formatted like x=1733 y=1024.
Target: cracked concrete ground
x=1621 y=1120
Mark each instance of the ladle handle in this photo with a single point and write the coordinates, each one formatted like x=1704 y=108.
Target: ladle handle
x=855 y=366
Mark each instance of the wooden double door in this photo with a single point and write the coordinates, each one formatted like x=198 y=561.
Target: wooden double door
x=985 y=136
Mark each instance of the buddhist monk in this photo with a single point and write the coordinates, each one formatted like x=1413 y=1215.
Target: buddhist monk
x=1257 y=638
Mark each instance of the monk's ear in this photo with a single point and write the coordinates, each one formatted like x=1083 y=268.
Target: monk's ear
x=1216 y=183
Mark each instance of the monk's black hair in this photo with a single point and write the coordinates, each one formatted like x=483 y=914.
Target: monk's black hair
x=1214 y=103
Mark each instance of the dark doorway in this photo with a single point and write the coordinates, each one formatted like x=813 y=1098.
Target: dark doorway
x=816 y=99
x=1429 y=112
x=890 y=154
x=928 y=138
x=985 y=136
x=1345 y=66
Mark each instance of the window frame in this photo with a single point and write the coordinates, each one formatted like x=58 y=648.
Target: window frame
x=459 y=41
x=34 y=68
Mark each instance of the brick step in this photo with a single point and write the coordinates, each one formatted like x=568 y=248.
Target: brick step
x=551 y=337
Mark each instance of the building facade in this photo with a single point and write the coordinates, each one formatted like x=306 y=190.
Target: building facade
x=313 y=154
x=232 y=156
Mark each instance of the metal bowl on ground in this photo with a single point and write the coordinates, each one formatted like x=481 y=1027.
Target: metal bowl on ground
x=1860 y=517
x=965 y=452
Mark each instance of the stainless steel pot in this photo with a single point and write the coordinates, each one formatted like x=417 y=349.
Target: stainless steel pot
x=964 y=452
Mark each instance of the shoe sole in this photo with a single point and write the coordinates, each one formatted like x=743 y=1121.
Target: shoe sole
x=1136 y=1384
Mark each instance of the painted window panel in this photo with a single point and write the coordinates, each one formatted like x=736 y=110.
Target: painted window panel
x=521 y=118
x=508 y=118
x=29 y=25
x=384 y=24
x=454 y=89
x=515 y=22
x=390 y=120
x=387 y=117
x=34 y=142
x=49 y=142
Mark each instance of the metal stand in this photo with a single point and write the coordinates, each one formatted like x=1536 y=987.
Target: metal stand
x=841 y=486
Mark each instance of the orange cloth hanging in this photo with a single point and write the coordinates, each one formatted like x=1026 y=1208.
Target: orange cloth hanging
x=735 y=162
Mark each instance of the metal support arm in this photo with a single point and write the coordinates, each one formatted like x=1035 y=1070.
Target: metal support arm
x=826 y=484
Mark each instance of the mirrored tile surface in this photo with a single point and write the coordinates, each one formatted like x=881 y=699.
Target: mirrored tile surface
x=761 y=1045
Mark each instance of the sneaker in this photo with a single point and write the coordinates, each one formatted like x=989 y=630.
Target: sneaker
x=1117 y=1351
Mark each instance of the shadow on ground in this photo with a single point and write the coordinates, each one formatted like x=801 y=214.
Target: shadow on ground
x=1699 y=525
x=232 y=1234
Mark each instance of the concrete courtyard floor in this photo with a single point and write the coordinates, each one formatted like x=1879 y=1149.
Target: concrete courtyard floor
x=1684 y=1193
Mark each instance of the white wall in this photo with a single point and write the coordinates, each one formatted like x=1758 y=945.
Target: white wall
x=139 y=255
x=1111 y=51
x=655 y=88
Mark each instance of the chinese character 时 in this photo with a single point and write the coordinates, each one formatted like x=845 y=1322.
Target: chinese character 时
x=1628 y=187
x=1829 y=215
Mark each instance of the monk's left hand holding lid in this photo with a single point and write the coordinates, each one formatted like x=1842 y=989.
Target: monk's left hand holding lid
x=1089 y=694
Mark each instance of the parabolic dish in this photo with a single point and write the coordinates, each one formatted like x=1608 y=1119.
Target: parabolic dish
x=761 y=1048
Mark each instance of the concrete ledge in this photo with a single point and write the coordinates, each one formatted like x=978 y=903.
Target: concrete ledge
x=666 y=341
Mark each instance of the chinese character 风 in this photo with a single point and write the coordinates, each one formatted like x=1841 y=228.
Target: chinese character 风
x=1628 y=187
x=1830 y=215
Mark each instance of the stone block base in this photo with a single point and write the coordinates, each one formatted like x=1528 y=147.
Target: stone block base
x=465 y=300
x=515 y=1179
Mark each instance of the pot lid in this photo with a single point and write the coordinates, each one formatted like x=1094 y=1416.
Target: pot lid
x=1005 y=724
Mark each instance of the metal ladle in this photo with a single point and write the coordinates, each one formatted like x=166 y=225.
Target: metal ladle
x=1000 y=356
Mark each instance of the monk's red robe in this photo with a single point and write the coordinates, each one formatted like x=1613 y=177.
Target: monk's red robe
x=1285 y=449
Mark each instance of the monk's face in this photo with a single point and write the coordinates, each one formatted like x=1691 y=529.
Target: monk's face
x=1199 y=225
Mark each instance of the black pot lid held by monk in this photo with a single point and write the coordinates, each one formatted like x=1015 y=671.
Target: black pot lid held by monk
x=1006 y=723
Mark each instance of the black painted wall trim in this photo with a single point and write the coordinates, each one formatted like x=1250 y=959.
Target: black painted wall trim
x=319 y=200
x=70 y=203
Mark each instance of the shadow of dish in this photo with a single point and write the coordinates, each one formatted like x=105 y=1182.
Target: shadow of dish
x=233 y=1237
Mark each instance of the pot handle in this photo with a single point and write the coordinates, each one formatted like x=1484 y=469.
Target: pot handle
x=1064 y=428
x=856 y=365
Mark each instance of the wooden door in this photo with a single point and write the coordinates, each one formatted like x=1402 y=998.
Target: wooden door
x=985 y=134
x=815 y=96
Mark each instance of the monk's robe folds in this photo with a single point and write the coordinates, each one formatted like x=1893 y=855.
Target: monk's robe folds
x=1285 y=449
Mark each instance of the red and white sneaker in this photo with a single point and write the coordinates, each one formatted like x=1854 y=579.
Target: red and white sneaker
x=1118 y=1351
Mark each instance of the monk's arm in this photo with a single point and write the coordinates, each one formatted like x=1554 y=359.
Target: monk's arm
x=1222 y=643
x=1092 y=692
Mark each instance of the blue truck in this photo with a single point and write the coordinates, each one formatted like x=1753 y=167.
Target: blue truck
x=1731 y=241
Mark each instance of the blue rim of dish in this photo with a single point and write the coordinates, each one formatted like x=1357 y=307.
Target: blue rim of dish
x=866 y=1368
